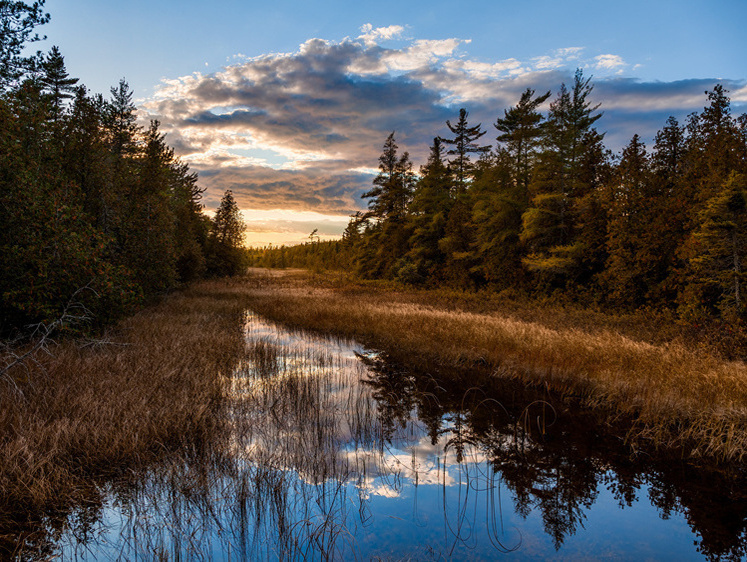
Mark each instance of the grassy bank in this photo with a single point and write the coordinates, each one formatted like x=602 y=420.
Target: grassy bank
x=85 y=410
x=669 y=393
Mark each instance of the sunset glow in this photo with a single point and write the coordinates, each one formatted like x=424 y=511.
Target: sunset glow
x=296 y=120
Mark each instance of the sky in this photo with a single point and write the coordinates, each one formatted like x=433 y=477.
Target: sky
x=288 y=103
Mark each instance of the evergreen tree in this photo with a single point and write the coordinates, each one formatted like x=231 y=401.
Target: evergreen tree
x=386 y=236
x=522 y=130
x=226 y=239
x=121 y=120
x=55 y=79
x=718 y=251
x=464 y=144
x=51 y=257
x=428 y=213
x=568 y=170
x=499 y=202
x=669 y=148
x=17 y=23
x=457 y=243
x=629 y=259
x=715 y=147
x=146 y=221
x=392 y=189
x=86 y=158
x=669 y=212
x=191 y=227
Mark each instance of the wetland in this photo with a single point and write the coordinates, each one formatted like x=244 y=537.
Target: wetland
x=318 y=446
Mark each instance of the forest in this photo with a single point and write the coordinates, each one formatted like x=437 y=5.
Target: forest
x=98 y=215
x=549 y=210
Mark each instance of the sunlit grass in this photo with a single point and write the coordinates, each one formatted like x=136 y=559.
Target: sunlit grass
x=670 y=394
x=85 y=411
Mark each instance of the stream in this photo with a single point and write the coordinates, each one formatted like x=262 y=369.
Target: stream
x=335 y=453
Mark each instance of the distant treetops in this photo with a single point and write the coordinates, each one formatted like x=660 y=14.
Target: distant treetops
x=549 y=208
x=97 y=213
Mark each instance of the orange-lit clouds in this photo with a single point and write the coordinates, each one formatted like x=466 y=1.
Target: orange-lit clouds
x=302 y=130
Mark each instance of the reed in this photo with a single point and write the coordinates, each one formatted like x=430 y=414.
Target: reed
x=82 y=411
x=670 y=395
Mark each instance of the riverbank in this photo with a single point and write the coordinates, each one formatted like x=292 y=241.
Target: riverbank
x=82 y=411
x=154 y=385
x=664 y=391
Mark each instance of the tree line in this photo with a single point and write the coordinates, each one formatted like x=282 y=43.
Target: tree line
x=97 y=213
x=550 y=209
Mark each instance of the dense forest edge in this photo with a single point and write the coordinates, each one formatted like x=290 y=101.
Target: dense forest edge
x=550 y=213
x=98 y=215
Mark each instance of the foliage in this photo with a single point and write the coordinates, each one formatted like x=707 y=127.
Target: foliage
x=550 y=211
x=17 y=23
x=464 y=144
x=225 y=241
x=98 y=213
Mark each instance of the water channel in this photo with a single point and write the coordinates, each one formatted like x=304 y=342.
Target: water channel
x=335 y=453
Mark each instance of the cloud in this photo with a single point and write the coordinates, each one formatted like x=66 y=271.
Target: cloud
x=609 y=62
x=304 y=130
x=559 y=58
x=373 y=36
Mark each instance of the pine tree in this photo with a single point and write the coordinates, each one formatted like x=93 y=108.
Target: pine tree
x=228 y=225
x=226 y=239
x=392 y=189
x=464 y=144
x=629 y=266
x=146 y=232
x=428 y=213
x=669 y=213
x=499 y=202
x=568 y=170
x=17 y=23
x=669 y=148
x=715 y=148
x=86 y=157
x=191 y=227
x=522 y=130
x=718 y=251
x=121 y=120
x=386 y=236
x=55 y=79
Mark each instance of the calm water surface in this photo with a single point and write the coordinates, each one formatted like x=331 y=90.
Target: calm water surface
x=334 y=453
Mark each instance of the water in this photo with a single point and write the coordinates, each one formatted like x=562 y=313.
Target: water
x=332 y=452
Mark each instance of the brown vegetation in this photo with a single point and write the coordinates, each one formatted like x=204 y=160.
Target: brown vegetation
x=671 y=394
x=86 y=411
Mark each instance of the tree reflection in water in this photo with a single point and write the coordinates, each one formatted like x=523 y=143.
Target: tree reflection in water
x=332 y=452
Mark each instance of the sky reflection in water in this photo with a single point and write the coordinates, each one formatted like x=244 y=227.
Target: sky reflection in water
x=335 y=453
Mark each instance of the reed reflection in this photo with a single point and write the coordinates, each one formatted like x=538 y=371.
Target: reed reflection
x=331 y=451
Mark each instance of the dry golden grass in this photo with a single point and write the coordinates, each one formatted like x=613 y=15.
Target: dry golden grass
x=670 y=395
x=92 y=411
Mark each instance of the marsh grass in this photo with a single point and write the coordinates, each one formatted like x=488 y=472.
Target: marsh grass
x=298 y=430
x=77 y=413
x=669 y=395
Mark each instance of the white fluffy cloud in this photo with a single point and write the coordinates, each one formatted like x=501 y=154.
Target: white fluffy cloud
x=609 y=62
x=373 y=36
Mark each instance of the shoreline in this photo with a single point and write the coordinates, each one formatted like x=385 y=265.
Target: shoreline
x=669 y=395
x=155 y=388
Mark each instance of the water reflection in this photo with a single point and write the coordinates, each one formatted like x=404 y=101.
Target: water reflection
x=333 y=452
